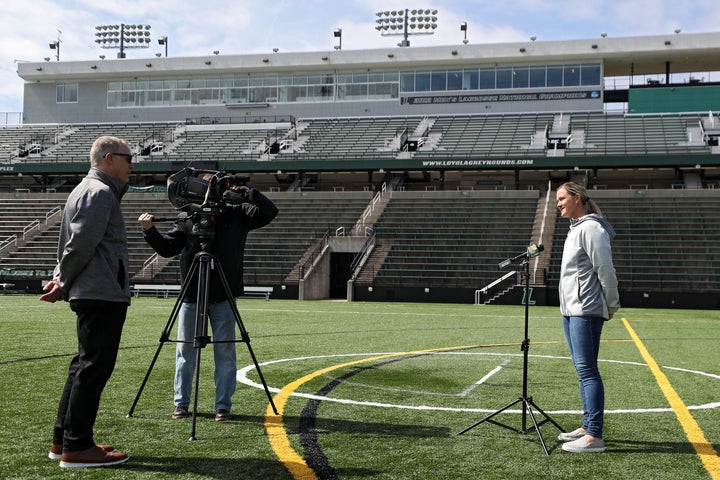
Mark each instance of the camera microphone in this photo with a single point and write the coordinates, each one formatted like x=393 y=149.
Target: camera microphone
x=532 y=251
x=170 y=219
x=237 y=179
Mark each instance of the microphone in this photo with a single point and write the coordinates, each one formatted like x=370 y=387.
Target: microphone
x=170 y=219
x=532 y=251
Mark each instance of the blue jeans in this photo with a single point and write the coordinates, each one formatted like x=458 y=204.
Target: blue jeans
x=583 y=338
x=222 y=324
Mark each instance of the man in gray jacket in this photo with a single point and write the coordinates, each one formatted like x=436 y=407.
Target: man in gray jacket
x=92 y=275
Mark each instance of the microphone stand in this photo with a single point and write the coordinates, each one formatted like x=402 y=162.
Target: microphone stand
x=527 y=401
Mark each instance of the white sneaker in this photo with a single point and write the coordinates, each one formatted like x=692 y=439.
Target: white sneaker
x=575 y=434
x=585 y=446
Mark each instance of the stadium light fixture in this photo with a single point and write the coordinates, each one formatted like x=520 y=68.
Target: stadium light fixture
x=163 y=41
x=406 y=22
x=56 y=46
x=338 y=34
x=123 y=36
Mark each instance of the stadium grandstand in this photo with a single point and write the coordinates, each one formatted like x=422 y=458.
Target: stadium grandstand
x=401 y=174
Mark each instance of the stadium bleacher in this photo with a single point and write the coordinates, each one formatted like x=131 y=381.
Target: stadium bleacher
x=667 y=240
x=455 y=136
x=425 y=239
x=447 y=161
x=453 y=239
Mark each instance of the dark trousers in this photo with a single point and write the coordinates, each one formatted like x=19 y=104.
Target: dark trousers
x=99 y=327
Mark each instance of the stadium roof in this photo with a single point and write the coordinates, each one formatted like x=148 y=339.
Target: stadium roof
x=622 y=56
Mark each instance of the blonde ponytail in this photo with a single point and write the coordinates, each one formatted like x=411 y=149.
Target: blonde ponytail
x=574 y=188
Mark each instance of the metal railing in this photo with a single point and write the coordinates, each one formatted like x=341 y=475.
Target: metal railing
x=314 y=255
x=362 y=256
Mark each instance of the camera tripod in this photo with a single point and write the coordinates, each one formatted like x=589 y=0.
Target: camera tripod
x=527 y=402
x=202 y=266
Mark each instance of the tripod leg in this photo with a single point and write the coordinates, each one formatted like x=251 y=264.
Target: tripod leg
x=528 y=405
x=245 y=338
x=147 y=375
x=201 y=338
x=195 y=393
x=547 y=417
x=489 y=418
x=164 y=337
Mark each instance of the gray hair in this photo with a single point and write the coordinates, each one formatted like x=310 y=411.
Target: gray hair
x=102 y=146
x=576 y=189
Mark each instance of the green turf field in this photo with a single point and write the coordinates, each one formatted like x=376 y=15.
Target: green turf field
x=375 y=391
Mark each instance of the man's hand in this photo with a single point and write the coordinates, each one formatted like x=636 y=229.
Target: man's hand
x=146 y=221
x=53 y=291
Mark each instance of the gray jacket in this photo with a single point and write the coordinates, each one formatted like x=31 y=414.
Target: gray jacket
x=588 y=285
x=93 y=251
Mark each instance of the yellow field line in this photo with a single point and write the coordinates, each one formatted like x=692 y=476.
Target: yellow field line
x=694 y=433
x=275 y=429
x=277 y=435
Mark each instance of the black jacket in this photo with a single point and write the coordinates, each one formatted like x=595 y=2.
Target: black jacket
x=228 y=246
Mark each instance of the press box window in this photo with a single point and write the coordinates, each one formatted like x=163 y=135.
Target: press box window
x=67 y=93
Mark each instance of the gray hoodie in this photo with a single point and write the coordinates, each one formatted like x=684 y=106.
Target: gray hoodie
x=588 y=285
x=92 y=251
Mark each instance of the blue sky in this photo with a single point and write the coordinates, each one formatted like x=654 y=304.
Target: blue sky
x=252 y=26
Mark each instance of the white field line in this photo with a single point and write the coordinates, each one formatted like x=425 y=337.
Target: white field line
x=242 y=377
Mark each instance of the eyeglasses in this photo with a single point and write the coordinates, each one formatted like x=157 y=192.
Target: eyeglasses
x=128 y=156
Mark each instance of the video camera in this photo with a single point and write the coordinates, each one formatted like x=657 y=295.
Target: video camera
x=204 y=194
x=191 y=189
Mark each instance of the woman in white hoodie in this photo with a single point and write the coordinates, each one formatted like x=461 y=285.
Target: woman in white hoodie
x=588 y=297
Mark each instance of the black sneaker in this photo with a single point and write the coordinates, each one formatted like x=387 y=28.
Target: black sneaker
x=180 y=412
x=222 y=415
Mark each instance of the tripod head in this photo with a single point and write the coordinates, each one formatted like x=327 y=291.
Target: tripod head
x=203 y=222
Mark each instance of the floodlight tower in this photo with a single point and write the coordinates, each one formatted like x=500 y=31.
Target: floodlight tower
x=56 y=46
x=406 y=22
x=164 y=41
x=123 y=36
x=338 y=34
x=463 y=28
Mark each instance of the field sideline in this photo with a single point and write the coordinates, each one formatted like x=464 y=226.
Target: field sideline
x=375 y=390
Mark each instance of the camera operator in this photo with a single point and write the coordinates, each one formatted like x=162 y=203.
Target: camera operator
x=231 y=230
